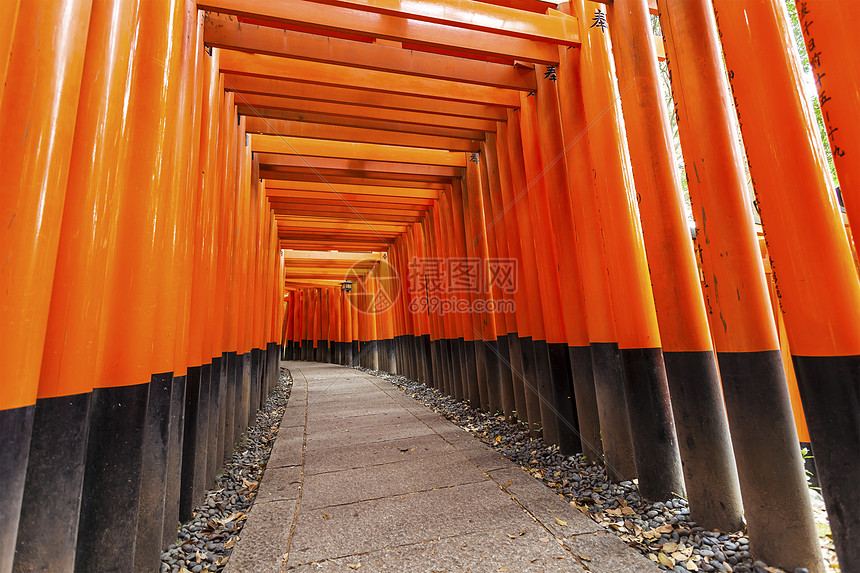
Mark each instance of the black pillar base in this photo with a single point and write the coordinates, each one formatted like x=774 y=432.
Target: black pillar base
x=612 y=408
x=710 y=473
x=830 y=389
x=232 y=370
x=562 y=382
x=505 y=374
x=193 y=462
x=173 y=485
x=655 y=445
x=150 y=520
x=481 y=375
x=515 y=348
x=586 y=402
x=530 y=386
x=109 y=497
x=48 y=529
x=546 y=392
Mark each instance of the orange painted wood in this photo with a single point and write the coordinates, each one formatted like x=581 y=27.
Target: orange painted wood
x=356 y=134
x=378 y=82
x=348 y=150
x=300 y=88
x=227 y=32
x=360 y=122
x=817 y=283
x=387 y=27
x=71 y=341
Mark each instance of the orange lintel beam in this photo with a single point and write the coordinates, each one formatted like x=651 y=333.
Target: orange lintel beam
x=380 y=166
x=290 y=173
x=356 y=134
x=312 y=283
x=346 y=213
x=473 y=16
x=289 y=243
x=299 y=12
x=226 y=32
x=263 y=65
x=309 y=222
x=349 y=198
x=337 y=203
x=365 y=178
x=275 y=188
x=382 y=125
x=301 y=90
x=360 y=111
x=293 y=255
x=350 y=150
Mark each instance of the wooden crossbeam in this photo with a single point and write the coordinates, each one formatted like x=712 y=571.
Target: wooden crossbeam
x=362 y=112
x=302 y=90
x=293 y=255
x=336 y=202
x=349 y=150
x=226 y=32
x=346 y=213
x=368 y=179
x=338 y=224
x=473 y=16
x=282 y=189
x=308 y=14
x=348 y=198
x=387 y=167
x=356 y=134
x=336 y=244
x=337 y=120
x=267 y=66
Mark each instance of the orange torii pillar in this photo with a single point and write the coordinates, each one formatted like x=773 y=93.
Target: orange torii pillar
x=335 y=330
x=535 y=371
x=220 y=228
x=770 y=469
x=529 y=313
x=37 y=119
x=402 y=330
x=519 y=324
x=426 y=323
x=563 y=315
x=346 y=308
x=437 y=257
x=495 y=307
x=454 y=242
x=830 y=37
x=170 y=359
x=557 y=180
x=202 y=237
x=609 y=435
x=813 y=269
x=697 y=400
x=129 y=360
x=502 y=272
x=48 y=526
x=481 y=322
x=658 y=462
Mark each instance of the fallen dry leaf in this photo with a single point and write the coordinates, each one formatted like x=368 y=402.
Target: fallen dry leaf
x=561 y=522
x=326 y=516
x=691 y=566
x=665 y=528
x=666 y=560
x=583 y=557
x=669 y=547
x=230 y=543
x=502 y=568
x=353 y=565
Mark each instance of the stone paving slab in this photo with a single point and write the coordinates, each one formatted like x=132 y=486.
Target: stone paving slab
x=363 y=476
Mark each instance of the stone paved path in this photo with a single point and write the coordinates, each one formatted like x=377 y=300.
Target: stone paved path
x=362 y=477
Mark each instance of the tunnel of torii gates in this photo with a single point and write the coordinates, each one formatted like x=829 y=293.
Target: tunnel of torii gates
x=187 y=186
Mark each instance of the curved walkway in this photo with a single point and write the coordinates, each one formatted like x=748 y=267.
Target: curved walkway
x=363 y=477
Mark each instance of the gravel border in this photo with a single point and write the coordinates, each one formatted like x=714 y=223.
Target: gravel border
x=662 y=530
x=206 y=541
